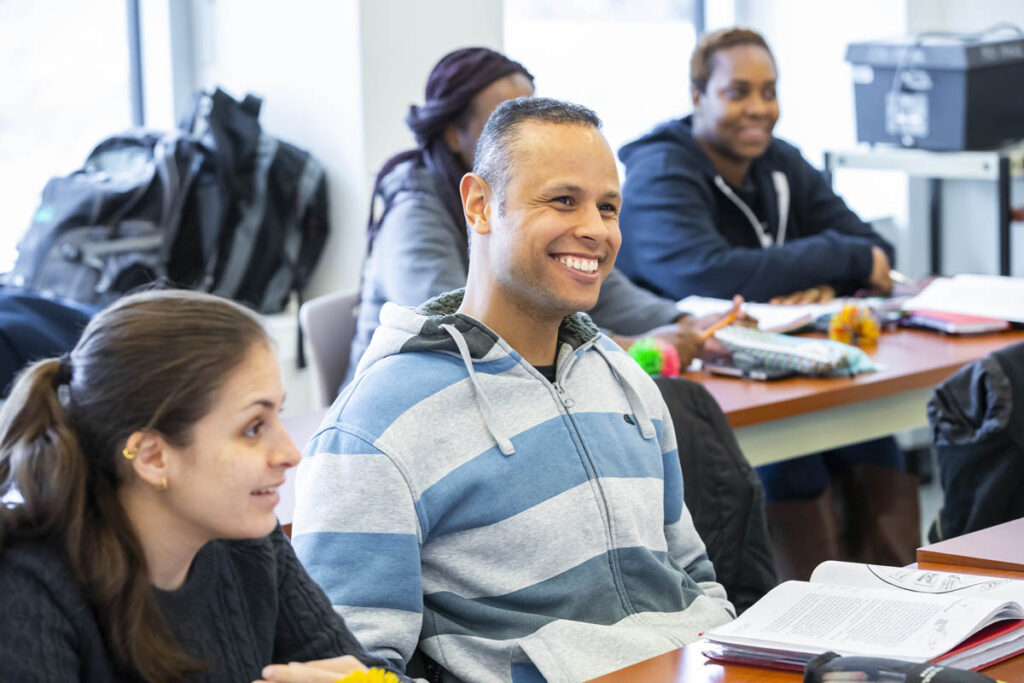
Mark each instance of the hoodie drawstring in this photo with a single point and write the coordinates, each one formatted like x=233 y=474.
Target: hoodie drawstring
x=782 y=196
x=636 y=404
x=491 y=420
x=781 y=184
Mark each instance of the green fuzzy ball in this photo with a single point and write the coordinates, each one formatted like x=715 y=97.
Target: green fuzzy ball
x=647 y=353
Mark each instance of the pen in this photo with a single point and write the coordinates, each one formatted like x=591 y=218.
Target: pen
x=897 y=276
x=727 y=320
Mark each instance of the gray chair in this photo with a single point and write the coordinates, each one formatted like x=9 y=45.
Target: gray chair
x=329 y=323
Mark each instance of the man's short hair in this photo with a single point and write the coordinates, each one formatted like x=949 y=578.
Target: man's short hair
x=495 y=155
x=710 y=43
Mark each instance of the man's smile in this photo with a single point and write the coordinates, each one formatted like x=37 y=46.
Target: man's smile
x=583 y=264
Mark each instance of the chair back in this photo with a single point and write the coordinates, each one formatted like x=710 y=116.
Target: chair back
x=329 y=322
x=722 y=493
x=977 y=421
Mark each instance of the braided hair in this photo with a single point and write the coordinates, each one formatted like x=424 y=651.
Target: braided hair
x=451 y=87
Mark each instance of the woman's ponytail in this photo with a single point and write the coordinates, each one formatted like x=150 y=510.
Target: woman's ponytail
x=41 y=458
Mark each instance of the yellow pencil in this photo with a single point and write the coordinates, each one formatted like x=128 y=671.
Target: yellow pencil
x=727 y=320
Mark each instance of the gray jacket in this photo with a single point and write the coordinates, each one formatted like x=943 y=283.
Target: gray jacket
x=419 y=253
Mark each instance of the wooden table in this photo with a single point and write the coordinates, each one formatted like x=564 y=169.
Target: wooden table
x=688 y=665
x=783 y=419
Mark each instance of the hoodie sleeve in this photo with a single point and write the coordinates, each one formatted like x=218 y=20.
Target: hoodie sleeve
x=685 y=547
x=625 y=308
x=823 y=210
x=357 y=532
x=419 y=252
x=669 y=217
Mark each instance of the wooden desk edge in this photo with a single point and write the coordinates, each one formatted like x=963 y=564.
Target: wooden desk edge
x=961 y=568
x=839 y=396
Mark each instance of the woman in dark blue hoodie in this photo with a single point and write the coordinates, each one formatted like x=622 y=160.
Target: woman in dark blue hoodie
x=715 y=205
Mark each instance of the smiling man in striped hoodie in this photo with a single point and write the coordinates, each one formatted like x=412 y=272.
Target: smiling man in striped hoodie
x=499 y=486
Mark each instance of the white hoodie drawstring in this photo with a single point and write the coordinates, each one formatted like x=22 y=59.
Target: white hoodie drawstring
x=486 y=409
x=781 y=184
x=636 y=404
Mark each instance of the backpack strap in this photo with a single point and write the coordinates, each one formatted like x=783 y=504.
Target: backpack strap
x=243 y=241
x=175 y=187
x=283 y=281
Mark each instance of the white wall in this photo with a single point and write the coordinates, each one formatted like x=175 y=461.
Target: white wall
x=403 y=39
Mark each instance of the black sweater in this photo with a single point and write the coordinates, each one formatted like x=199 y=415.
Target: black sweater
x=245 y=604
x=682 y=235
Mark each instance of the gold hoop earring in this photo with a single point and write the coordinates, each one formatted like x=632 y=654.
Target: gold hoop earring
x=163 y=483
x=129 y=453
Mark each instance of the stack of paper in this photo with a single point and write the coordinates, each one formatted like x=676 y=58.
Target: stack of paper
x=956 y=323
x=989 y=296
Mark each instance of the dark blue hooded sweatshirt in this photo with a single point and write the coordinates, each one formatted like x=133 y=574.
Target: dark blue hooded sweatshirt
x=686 y=231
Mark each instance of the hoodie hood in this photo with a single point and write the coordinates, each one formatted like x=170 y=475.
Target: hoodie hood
x=437 y=327
x=669 y=136
x=677 y=134
x=428 y=328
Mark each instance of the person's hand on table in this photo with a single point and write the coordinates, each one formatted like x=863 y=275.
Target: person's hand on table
x=741 y=317
x=687 y=334
x=821 y=294
x=681 y=334
x=881 y=279
x=319 y=671
x=713 y=349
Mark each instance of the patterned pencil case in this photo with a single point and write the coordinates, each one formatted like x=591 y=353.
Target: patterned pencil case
x=806 y=356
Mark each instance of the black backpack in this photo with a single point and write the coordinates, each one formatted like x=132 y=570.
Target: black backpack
x=116 y=223
x=276 y=221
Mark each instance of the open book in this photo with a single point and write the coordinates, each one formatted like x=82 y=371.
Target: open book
x=960 y=620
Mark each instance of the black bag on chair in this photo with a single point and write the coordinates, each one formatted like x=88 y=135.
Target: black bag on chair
x=722 y=492
x=977 y=421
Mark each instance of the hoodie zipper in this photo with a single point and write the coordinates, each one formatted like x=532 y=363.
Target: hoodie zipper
x=567 y=402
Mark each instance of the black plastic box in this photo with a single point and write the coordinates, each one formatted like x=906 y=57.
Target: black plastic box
x=939 y=96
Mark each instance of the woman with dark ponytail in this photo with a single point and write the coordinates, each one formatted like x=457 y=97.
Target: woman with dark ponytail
x=137 y=535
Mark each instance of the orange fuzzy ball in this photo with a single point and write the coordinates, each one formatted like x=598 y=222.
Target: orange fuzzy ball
x=854 y=325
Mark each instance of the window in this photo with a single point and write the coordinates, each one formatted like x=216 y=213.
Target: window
x=64 y=87
x=626 y=60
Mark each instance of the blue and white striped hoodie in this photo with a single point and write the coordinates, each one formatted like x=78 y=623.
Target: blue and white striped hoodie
x=514 y=529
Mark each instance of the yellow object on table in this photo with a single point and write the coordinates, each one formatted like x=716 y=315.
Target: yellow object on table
x=854 y=325
x=369 y=676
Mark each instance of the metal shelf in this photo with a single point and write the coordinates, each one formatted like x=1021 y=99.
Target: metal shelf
x=997 y=165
